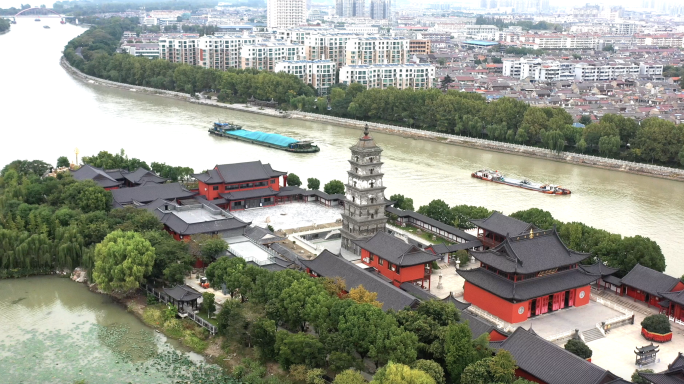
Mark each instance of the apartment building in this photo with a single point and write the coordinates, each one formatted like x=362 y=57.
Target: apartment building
x=298 y=35
x=319 y=73
x=481 y=32
x=350 y=8
x=650 y=69
x=401 y=76
x=223 y=52
x=285 y=13
x=329 y=45
x=665 y=40
x=605 y=71
x=265 y=55
x=377 y=50
x=357 y=28
x=419 y=47
x=179 y=49
x=149 y=50
x=540 y=70
x=380 y=9
x=560 y=41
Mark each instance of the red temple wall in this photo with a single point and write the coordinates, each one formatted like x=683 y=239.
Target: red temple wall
x=498 y=307
x=580 y=301
x=412 y=273
x=522 y=374
x=207 y=190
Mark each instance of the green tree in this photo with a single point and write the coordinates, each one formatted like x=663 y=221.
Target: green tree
x=350 y=376
x=63 y=161
x=582 y=145
x=464 y=213
x=299 y=348
x=609 y=145
x=359 y=326
x=293 y=180
x=172 y=260
x=229 y=271
x=87 y=196
x=585 y=120
x=263 y=336
x=438 y=210
x=313 y=183
x=446 y=81
x=608 y=48
x=636 y=379
x=656 y=324
x=334 y=187
x=209 y=303
x=432 y=368
x=459 y=351
x=393 y=343
x=401 y=374
x=642 y=250
x=122 y=260
x=577 y=347
x=208 y=248
x=230 y=318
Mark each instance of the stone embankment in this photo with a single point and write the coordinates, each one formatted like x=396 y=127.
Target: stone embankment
x=489 y=145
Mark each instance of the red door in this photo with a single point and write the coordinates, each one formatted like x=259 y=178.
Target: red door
x=556 y=305
x=544 y=304
x=538 y=310
x=561 y=300
x=571 y=302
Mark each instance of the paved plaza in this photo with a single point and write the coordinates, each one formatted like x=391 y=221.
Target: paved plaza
x=289 y=216
x=581 y=318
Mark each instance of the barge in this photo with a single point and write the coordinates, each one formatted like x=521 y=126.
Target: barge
x=271 y=140
x=497 y=177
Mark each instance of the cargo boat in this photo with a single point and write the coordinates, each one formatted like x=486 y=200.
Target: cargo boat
x=497 y=177
x=271 y=140
x=46 y=26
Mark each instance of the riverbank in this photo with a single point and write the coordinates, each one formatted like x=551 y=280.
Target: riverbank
x=487 y=145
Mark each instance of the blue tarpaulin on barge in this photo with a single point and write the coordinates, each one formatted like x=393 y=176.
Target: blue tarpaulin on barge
x=271 y=138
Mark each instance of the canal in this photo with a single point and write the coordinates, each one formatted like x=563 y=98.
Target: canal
x=47 y=114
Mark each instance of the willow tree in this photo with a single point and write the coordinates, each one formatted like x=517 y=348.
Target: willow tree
x=122 y=260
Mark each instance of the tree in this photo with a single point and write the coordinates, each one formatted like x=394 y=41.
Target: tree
x=608 y=48
x=229 y=317
x=636 y=379
x=228 y=271
x=87 y=196
x=656 y=324
x=393 y=343
x=122 y=260
x=458 y=348
x=299 y=348
x=293 y=180
x=362 y=296
x=498 y=369
x=63 y=161
x=438 y=210
x=263 y=336
x=446 y=81
x=208 y=303
x=585 y=120
x=578 y=348
x=313 y=183
x=359 y=325
x=172 y=260
x=207 y=248
x=334 y=187
x=609 y=145
x=641 y=250
x=350 y=376
x=401 y=374
x=401 y=202
x=432 y=368
x=464 y=213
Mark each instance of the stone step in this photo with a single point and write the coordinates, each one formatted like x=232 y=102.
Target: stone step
x=592 y=334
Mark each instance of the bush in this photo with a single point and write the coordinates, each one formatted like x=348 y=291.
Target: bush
x=334 y=187
x=153 y=317
x=293 y=180
x=313 y=183
x=193 y=342
x=657 y=324
x=636 y=379
x=151 y=299
x=173 y=328
x=578 y=348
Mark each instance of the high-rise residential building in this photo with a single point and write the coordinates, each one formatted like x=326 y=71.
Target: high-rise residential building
x=383 y=76
x=377 y=50
x=265 y=55
x=380 y=9
x=319 y=73
x=223 y=52
x=285 y=13
x=179 y=49
x=351 y=8
x=328 y=45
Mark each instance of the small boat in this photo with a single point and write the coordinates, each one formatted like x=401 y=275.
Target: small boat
x=271 y=140
x=46 y=26
x=36 y=20
x=62 y=22
x=497 y=177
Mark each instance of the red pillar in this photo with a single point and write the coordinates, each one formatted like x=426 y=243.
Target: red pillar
x=284 y=180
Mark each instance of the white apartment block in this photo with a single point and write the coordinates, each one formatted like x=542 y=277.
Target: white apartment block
x=179 y=49
x=151 y=51
x=539 y=70
x=377 y=50
x=383 y=76
x=298 y=35
x=223 y=52
x=666 y=40
x=285 y=13
x=626 y=29
x=331 y=46
x=367 y=29
x=319 y=73
x=482 y=32
x=350 y=8
x=265 y=55
x=560 y=41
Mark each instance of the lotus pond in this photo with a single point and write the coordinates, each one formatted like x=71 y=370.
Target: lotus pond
x=53 y=330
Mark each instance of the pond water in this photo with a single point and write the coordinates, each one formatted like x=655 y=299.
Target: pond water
x=53 y=330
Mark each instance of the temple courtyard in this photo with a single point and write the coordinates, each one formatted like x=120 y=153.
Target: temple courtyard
x=291 y=216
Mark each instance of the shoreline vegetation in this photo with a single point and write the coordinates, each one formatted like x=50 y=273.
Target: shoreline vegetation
x=652 y=147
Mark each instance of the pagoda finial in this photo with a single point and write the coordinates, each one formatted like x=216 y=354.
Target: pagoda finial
x=531 y=233
x=365 y=131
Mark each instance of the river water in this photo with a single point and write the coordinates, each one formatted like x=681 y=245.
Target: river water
x=46 y=114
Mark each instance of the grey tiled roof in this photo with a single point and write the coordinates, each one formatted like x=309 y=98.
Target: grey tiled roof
x=529 y=254
x=649 y=280
x=142 y=174
x=262 y=235
x=551 y=363
x=329 y=265
x=437 y=224
x=503 y=225
x=182 y=293
x=396 y=250
x=442 y=248
x=477 y=325
x=527 y=289
x=150 y=192
x=418 y=292
x=178 y=225
x=250 y=171
x=457 y=303
x=102 y=178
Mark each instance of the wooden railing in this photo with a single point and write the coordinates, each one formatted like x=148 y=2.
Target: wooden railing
x=164 y=298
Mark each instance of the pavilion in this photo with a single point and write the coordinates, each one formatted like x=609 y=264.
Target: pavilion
x=182 y=296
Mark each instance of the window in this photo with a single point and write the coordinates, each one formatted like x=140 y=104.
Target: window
x=272 y=181
x=216 y=187
x=371 y=257
x=380 y=261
